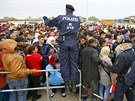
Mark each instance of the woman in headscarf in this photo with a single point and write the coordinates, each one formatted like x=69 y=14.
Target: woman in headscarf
x=50 y=51
x=105 y=78
x=51 y=54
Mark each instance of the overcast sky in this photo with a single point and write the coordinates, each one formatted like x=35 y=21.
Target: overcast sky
x=104 y=9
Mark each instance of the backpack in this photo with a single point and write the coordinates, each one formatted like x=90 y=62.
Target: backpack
x=45 y=49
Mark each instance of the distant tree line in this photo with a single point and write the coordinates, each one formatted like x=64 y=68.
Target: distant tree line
x=84 y=19
x=26 y=19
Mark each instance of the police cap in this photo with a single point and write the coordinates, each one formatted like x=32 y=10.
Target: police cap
x=126 y=41
x=70 y=7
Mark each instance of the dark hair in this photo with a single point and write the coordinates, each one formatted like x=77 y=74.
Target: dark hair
x=40 y=36
x=69 y=10
x=110 y=36
x=87 y=33
x=102 y=41
x=131 y=35
x=26 y=45
x=95 y=36
x=126 y=31
x=30 y=49
x=26 y=34
x=92 y=40
x=2 y=37
x=102 y=32
x=83 y=37
x=115 y=35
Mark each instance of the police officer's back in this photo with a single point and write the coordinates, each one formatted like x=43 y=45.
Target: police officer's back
x=68 y=26
x=129 y=79
x=121 y=66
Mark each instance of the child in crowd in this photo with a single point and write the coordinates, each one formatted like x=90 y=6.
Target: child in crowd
x=33 y=61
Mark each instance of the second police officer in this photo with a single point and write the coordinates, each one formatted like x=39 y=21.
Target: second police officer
x=68 y=26
x=121 y=66
x=129 y=80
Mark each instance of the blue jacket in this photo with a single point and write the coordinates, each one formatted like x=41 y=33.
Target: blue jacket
x=123 y=62
x=67 y=24
x=130 y=76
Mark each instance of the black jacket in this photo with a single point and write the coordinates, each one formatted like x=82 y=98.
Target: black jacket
x=123 y=62
x=89 y=64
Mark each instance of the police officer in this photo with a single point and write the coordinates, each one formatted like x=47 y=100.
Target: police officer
x=121 y=66
x=68 y=26
x=129 y=79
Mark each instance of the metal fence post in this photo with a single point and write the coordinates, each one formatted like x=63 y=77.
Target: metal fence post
x=47 y=87
x=80 y=86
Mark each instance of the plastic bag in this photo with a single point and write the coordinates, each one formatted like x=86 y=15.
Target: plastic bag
x=55 y=77
x=112 y=88
x=49 y=68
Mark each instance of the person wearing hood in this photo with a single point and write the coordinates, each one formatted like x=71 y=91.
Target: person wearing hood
x=4 y=96
x=105 y=77
x=68 y=26
x=14 y=63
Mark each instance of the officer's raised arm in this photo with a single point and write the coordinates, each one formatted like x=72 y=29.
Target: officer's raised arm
x=68 y=26
x=51 y=23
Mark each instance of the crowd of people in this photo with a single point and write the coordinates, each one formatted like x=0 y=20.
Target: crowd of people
x=37 y=43
x=105 y=55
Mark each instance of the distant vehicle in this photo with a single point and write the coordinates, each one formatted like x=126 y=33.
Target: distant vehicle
x=120 y=21
x=107 y=22
x=88 y=23
x=33 y=22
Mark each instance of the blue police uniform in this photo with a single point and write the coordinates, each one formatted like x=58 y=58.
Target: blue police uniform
x=129 y=79
x=68 y=25
x=121 y=66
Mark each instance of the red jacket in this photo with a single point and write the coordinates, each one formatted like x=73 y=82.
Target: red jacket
x=52 y=60
x=33 y=61
x=2 y=77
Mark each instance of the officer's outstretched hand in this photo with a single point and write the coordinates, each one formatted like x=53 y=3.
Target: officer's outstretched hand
x=44 y=17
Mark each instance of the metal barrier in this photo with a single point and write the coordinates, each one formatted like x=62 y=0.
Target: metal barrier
x=47 y=86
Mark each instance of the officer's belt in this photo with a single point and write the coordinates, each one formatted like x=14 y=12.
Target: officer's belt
x=63 y=37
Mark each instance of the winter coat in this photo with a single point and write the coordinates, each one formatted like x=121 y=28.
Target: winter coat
x=13 y=62
x=89 y=64
x=2 y=77
x=105 y=76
